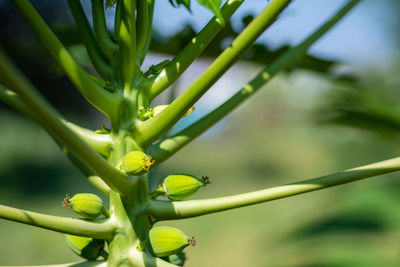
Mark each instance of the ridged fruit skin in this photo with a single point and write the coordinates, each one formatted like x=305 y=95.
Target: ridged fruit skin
x=165 y=240
x=136 y=163
x=87 y=205
x=181 y=186
x=85 y=247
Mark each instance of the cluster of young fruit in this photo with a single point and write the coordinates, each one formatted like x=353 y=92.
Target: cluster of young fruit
x=87 y=206
x=162 y=241
x=167 y=241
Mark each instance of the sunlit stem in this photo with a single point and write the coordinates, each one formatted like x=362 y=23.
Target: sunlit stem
x=157 y=84
x=13 y=79
x=71 y=264
x=95 y=180
x=117 y=19
x=100 y=98
x=13 y=101
x=163 y=210
x=142 y=25
x=127 y=44
x=171 y=145
x=154 y=128
x=149 y=32
x=100 y=142
x=142 y=259
x=103 y=229
x=106 y=44
x=92 y=46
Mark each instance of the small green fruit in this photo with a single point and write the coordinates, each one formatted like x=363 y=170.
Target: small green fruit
x=165 y=240
x=181 y=186
x=87 y=205
x=136 y=163
x=85 y=247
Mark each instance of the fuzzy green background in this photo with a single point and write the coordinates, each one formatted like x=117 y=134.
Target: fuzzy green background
x=275 y=138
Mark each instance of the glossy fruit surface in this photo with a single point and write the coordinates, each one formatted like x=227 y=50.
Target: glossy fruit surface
x=136 y=163
x=181 y=186
x=87 y=205
x=166 y=240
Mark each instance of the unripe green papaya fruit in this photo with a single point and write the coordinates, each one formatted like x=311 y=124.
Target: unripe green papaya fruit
x=165 y=240
x=182 y=186
x=87 y=205
x=136 y=163
x=86 y=247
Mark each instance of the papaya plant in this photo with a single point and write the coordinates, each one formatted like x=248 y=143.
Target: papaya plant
x=117 y=161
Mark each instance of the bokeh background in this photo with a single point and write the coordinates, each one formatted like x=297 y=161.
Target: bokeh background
x=339 y=108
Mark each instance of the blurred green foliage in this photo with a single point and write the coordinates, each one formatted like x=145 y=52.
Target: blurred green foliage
x=272 y=139
x=352 y=225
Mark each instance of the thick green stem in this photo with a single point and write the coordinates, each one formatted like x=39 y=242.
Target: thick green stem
x=171 y=145
x=149 y=32
x=163 y=210
x=92 y=46
x=107 y=46
x=154 y=128
x=142 y=259
x=142 y=25
x=102 y=229
x=99 y=142
x=95 y=180
x=14 y=80
x=127 y=44
x=117 y=19
x=12 y=100
x=71 y=264
x=157 y=84
x=100 y=98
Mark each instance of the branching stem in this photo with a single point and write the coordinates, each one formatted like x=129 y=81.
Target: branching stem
x=163 y=210
x=154 y=128
x=92 y=46
x=12 y=99
x=99 y=142
x=171 y=145
x=157 y=84
x=103 y=229
x=100 y=98
x=142 y=25
x=16 y=81
x=127 y=44
x=106 y=44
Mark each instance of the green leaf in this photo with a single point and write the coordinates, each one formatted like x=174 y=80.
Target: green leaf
x=214 y=6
